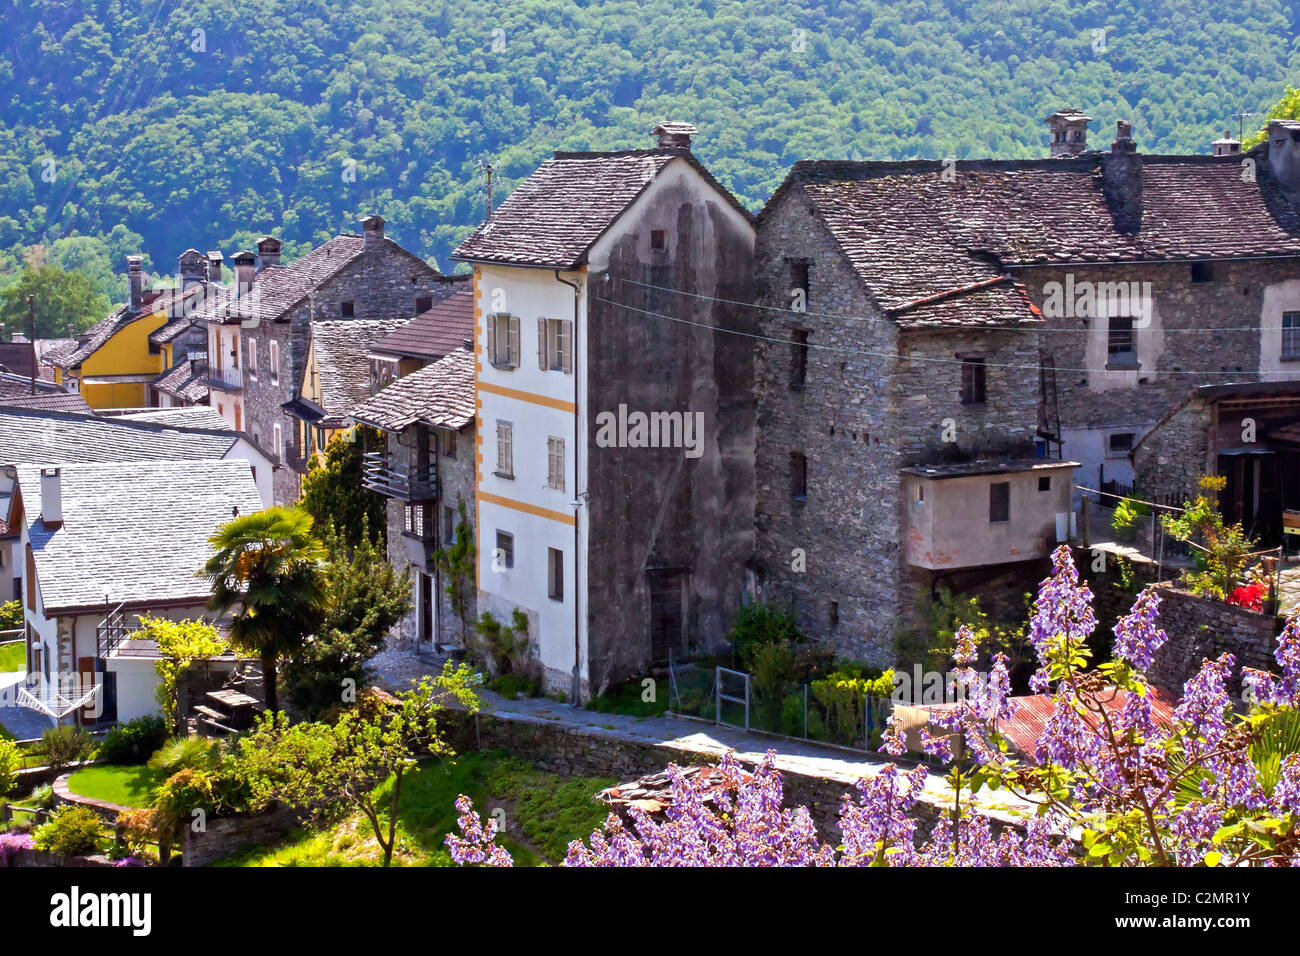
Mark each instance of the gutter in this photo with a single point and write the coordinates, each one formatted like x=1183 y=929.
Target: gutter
x=576 y=694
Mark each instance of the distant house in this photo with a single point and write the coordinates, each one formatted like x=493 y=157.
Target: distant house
x=336 y=376
x=184 y=383
x=105 y=543
x=425 y=471
x=16 y=392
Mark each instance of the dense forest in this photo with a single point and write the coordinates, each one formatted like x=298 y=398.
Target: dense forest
x=154 y=125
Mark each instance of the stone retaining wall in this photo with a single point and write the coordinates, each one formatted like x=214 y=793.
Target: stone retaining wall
x=226 y=835
x=1199 y=627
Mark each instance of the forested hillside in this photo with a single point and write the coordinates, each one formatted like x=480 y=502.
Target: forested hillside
x=207 y=122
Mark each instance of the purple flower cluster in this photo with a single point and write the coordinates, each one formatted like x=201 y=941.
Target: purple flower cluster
x=11 y=843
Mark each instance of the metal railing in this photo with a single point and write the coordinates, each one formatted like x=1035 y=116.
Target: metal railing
x=226 y=379
x=111 y=632
x=394 y=480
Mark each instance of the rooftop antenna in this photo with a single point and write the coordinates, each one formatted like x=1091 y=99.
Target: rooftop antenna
x=1241 y=123
x=486 y=170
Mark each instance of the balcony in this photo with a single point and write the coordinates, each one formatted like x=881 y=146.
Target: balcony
x=226 y=379
x=393 y=480
x=296 y=457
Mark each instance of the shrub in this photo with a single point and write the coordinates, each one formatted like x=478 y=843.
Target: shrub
x=133 y=742
x=71 y=831
x=758 y=623
x=138 y=830
x=66 y=744
x=11 y=843
x=504 y=649
x=1127 y=515
x=844 y=692
x=41 y=797
x=11 y=761
x=186 y=753
x=11 y=615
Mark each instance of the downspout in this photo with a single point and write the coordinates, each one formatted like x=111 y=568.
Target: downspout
x=576 y=694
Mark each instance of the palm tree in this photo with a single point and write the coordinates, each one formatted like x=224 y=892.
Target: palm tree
x=271 y=565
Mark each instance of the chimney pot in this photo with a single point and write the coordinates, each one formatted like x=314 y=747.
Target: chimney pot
x=1123 y=138
x=245 y=264
x=268 y=252
x=1069 y=129
x=214 y=266
x=135 y=281
x=51 y=497
x=674 y=135
x=192 y=268
x=1226 y=146
x=372 y=229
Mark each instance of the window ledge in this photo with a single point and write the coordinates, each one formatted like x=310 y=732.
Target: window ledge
x=1289 y=358
x=502 y=474
x=503 y=366
x=1123 y=366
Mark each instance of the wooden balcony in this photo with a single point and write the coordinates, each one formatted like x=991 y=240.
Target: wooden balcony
x=394 y=480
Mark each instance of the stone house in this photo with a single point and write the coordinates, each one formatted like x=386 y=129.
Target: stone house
x=615 y=491
x=259 y=330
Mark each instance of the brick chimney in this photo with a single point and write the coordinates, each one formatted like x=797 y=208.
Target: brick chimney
x=214 y=265
x=1284 y=155
x=135 y=283
x=1069 y=132
x=245 y=264
x=51 y=498
x=674 y=135
x=1122 y=179
x=268 y=252
x=1226 y=146
x=372 y=228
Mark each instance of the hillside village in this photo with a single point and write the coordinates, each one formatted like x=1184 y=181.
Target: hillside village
x=639 y=416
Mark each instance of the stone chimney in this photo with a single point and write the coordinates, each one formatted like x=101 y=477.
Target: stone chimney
x=1226 y=146
x=674 y=135
x=192 y=267
x=1122 y=179
x=1284 y=155
x=51 y=498
x=214 y=265
x=1069 y=132
x=245 y=264
x=268 y=252
x=372 y=228
x=135 y=282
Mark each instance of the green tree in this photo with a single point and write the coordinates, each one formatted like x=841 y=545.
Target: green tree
x=180 y=643
x=1222 y=550
x=1288 y=107
x=66 y=302
x=458 y=564
x=366 y=598
x=271 y=568
x=332 y=492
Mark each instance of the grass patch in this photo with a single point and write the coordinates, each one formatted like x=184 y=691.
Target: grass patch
x=627 y=699
x=13 y=657
x=128 y=786
x=543 y=813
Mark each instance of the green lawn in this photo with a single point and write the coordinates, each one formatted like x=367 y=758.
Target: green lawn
x=543 y=812
x=13 y=657
x=128 y=786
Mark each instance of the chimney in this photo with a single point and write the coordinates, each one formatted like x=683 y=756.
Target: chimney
x=135 y=280
x=674 y=135
x=245 y=263
x=51 y=498
x=1226 y=146
x=372 y=227
x=268 y=252
x=1122 y=179
x=192 y=268
x=1069 y=131
x=214 y=266
x=1284 y=155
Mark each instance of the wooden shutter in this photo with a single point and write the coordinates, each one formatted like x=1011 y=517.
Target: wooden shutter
x=513 y=343
x=492 y=338
x=541 y=344
x=31 y=579
x=566 y=331
x=555 y=463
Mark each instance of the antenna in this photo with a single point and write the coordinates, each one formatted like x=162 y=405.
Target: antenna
x=1241 y=123
x=486 y=170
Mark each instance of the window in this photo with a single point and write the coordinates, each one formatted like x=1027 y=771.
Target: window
x=555 y=574
x=799 y=277
x=1045 y=483
x=416 y=521
x=275 y=363
x=555 y=345
x=448 y=525
x=505 y=450
x=252 y=359
x=347 y=309
x=423 y=303
x=999 y=501
x=918 y=493
x=503 y=340
x=277 y=440
x=449 y=444
x=1202 y=272
x=833 y=615
x=973 y=381
x=798 y=476
x=1120 y=349
x=799 y=358
x=1291 y=335
x=658 y=240
x=555 y=463
x=1119 y=444
x=505 y=552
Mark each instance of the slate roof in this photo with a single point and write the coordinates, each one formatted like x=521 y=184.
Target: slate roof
x=93 y=339
x=910 y=232
x=342 y=348
x=557 y=213
x=440 y=395
x=134 y=532
x=189 y=416
x=187 y=379
x=48 y=438
x=435 y=333
x=48 y=401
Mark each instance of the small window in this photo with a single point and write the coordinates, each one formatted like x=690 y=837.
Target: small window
x=1291 y=335
x=449 y=444
x=555 y=463
x=918 y=493
x=658 y=240
x=973 y=381
x=555 y=574
x=347 y=309
x=999 y=501
x=505 y=450
x=414 y=521
x=252 y=359
x=798 y=476
x=1202 y=272
x=1045 y=483
x=505 y=552
x=448 y=525
x=833 y=615
x=799 y=358
x=799 y=277
x=423 y=304
x=277 y=441
x=1120 y=348
x=1119 y=443
x=555 y=345
x=503 y=340
x=275 y=363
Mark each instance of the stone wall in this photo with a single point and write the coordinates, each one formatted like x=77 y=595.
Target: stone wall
x=1173 y=457
x=1200 y=628
x=224 y=836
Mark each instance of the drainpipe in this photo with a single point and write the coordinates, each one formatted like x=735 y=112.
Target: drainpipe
x=577 y=497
